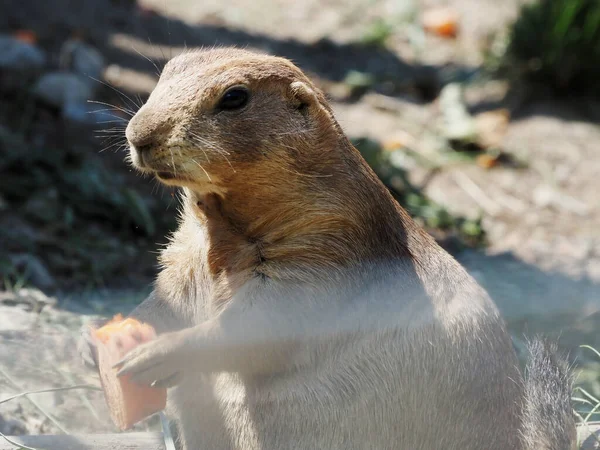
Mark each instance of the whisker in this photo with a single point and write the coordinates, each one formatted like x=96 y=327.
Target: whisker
x=118 y=145
x=148 y=59
x=116 y=128
x=111 y=121
x=110 y=139
x=110 y=134
x=116 y=119
x=203 y=143
x=139 y=98
x=173 y=161
x=224 y=154
x=159 y=47
x=102 y=110
x=155 y=185
x=203 y=169
x=118 y=91
x=123 y=110
x=205 y=155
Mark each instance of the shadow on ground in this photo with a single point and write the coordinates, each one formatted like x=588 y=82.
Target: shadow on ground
x=535 y=301
x=98 y=20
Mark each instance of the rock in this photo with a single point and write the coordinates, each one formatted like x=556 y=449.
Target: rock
x=43 y=206
x=12 y=427
x=28 y=36
x=61 y=89
x=458 y=124
x=82 y=59
x=13 y=318
x=91 y=114
x=19 y=62
x=37 y=296
x=545 y=196
x=19 y=56
x=36 y=272
x=400 y=139
x=491 y=127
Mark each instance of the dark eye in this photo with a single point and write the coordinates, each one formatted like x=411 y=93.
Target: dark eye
x=234 y=98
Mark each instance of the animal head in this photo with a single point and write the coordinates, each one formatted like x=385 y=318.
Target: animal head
x=216 y=114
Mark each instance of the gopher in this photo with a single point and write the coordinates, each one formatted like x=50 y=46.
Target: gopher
x=298 y=305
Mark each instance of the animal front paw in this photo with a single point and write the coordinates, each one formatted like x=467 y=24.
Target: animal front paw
x=158 y=363
x=86 y=344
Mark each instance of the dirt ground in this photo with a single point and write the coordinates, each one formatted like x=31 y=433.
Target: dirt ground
x=542 y=261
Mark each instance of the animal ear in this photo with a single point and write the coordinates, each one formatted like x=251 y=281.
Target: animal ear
x=308 y=100
x=303 y=93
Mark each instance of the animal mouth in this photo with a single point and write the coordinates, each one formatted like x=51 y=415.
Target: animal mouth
x=166 y=175
x=170 y=178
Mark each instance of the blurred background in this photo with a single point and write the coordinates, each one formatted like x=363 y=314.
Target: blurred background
x=482 y=117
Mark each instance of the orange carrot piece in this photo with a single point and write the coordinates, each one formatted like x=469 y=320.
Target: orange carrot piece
x=128 y=402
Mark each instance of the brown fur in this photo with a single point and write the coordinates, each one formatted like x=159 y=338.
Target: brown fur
x=300 y=306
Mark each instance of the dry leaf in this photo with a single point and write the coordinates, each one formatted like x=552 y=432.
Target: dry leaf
x=398 y=140
x=487 y=161
x=491 y=127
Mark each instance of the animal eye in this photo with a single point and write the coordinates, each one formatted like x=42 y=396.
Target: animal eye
x=234 y=98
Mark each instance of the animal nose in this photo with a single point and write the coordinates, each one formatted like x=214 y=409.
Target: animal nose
x=142 y=144
x=144 y=132
x=142 y=140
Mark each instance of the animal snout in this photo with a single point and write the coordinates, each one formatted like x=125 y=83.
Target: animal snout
x=145 y=133
x=142 y=144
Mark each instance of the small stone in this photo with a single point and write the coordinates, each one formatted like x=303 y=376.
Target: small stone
x=43 y=206
x=491 y=127
x=82 y=59
x=37 y=296
x=400 y=139
x=14 y=318
x=62 y=88
x=35 y=270
x=458 y=124
x=90 y=114
x=12 y=427
x=19 y=56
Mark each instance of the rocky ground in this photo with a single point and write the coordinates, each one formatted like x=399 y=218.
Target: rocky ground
x=455 y=143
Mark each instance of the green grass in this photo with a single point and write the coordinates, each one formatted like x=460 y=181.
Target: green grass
x=378 y=33
x=587 y=403
x=425 y=211
x=557 y=43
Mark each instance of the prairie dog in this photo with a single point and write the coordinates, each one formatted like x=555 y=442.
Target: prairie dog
x=299 y=306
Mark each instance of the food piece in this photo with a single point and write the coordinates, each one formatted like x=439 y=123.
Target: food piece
x=441 y=21
x=128 y=402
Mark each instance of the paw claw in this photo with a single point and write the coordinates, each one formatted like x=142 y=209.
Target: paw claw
x=168 y=382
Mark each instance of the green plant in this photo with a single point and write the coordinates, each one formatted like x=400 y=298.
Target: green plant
x=378 y=33
x=557 y=43
x=588 y=403
x=425 y=211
